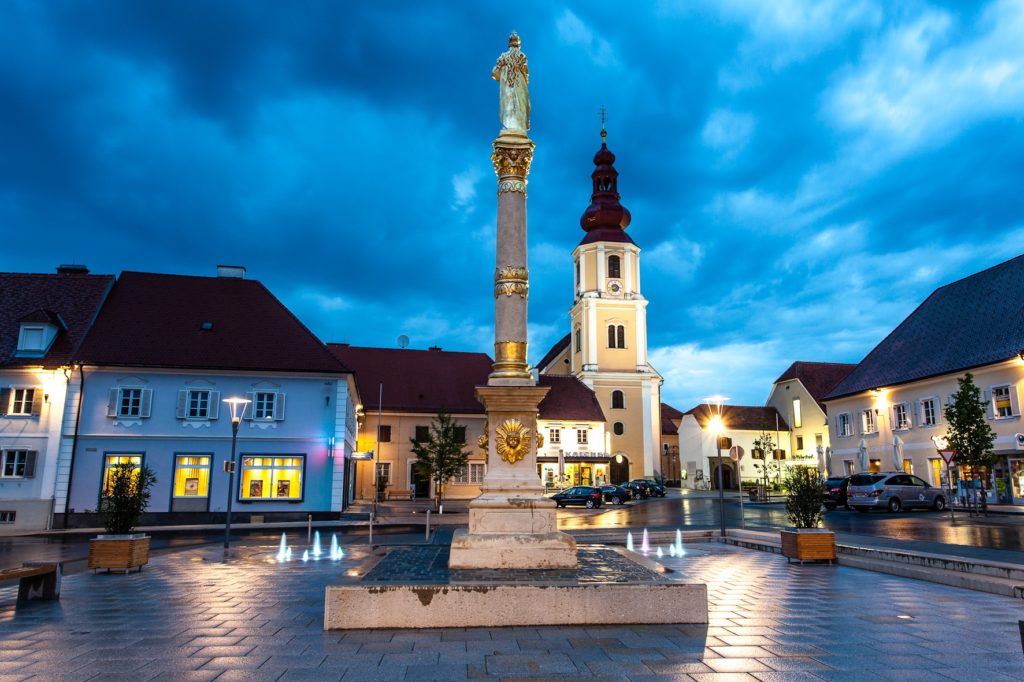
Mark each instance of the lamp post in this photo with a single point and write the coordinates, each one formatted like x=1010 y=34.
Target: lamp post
x=717 y=427
x=237 y=406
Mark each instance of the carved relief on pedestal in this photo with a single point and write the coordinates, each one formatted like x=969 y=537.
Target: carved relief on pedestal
x=512 y=161
x=483 y=441
x=512 y=440
x=510 y=280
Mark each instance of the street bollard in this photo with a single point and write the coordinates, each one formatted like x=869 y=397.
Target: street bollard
x=309 y=529
x=426 y=534
x=371 y=529
x=1020 y=624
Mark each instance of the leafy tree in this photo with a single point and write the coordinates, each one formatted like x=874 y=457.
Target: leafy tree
x=969 y=435
x=126 y=496
x=767 y=466
x=441 y=457
x=804 y=493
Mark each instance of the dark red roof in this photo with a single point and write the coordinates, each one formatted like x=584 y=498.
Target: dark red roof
x=743 y=418
x=669 y=415
x=152 y=320
x=819 y=378
x=69 y=301
x=569 y=398
x=416 y=380
x=559 y=346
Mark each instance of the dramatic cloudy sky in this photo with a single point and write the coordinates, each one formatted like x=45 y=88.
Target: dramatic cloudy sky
x=800 y=176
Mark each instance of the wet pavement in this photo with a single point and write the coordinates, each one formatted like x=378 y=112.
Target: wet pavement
x=192 y=616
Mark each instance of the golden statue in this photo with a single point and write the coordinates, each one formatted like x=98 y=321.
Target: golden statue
x=513 y=76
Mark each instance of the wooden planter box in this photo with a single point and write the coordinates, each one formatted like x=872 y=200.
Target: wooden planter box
x=119 y=552
x=809 y=544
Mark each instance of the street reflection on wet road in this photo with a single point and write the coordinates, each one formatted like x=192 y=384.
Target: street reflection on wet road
x=994 y=532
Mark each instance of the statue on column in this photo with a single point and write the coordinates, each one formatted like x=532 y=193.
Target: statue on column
x=513 y=77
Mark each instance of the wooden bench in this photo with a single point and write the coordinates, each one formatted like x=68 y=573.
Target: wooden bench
x=36 y=579
x=400 y=494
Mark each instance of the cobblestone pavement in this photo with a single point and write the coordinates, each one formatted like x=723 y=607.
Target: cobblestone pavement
x=190 y=616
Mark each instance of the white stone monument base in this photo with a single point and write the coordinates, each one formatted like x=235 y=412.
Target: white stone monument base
x=524 y=550
x=356 y=607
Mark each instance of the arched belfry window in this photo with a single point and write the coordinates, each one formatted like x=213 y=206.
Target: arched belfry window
x=618 y=401
x=579 y=340
x=577 y=274
x=614 y=267
x=616 y=336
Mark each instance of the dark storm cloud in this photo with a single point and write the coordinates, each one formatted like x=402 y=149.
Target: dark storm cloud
x=800 y=177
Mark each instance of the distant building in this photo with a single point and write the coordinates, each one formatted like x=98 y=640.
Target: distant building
x=743 y=424
x=606 y=347
x=885 y=413
x=162 y=355
x=797 y=395
x=43 y=319
x=403 y=390
x=671 y=465
x=575 y=450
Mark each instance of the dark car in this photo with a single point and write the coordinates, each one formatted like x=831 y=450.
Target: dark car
x=616 y=494
x=654 y=488
x=835 y=493
x=585 y=495
x=640 y=490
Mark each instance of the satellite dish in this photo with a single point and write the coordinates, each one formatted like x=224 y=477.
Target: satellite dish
x=403 y=341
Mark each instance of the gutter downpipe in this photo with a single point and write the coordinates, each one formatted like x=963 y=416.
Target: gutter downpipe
x=74 y=442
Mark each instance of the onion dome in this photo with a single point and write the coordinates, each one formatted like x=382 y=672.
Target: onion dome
x=605 y=219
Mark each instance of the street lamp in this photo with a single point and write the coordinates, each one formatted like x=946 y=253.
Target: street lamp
x=717 y=427
x=237 y=406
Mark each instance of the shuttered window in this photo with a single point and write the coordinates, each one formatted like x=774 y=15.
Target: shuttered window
x=18 y=464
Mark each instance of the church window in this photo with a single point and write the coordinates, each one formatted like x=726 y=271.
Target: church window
x=577 y=275
x=620 y=333
x=614 y=267
x=611 y=336
x=618 y=402
x=618 y=428
x=616 y=336
x=579 y=340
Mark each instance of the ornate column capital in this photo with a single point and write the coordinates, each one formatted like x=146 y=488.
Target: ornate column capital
x=512 y=161
x=510 y=280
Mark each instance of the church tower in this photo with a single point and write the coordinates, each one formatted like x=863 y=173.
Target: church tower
x=607 y=343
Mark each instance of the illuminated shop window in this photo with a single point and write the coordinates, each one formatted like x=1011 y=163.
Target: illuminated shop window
x=114 y=460
x=192 y=476
x=266 y=477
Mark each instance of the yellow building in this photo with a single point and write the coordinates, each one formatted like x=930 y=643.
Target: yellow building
x=606 y=347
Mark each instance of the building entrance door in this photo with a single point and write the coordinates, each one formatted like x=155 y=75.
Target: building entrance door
x=727 y=478
x=420 y=485
x=1017 y=480
x=586 y=474
x=618 y=472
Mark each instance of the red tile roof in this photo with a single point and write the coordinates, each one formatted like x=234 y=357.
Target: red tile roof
x=569 y=398
x=556 y=349
x=743 y=418
x=819 y=378
x=65 y=300
x=669 y=415
x=421 y=381
x=152 y=320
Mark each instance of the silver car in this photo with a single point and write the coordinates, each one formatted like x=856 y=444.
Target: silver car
x=893 y=491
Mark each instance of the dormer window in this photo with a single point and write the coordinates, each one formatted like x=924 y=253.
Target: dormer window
x=31 y=339
x=37 y=333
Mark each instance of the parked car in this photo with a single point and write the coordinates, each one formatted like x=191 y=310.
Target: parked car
x=585 y=495
x=616 y=494
x=835 y=493
x=640 y=490
x=655 y=488
x=893 y=491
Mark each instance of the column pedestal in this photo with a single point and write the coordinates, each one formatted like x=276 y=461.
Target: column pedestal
x=512 y=525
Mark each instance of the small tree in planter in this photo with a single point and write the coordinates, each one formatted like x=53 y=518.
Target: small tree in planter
x=442 y=456
x=124 y=499
x=805 y=541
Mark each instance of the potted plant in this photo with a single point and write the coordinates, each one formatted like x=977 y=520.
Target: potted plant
x=805 y=541
x=124 y=499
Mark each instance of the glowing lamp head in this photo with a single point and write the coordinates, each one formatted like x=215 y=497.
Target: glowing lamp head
x=716 y=425
x=237 y=406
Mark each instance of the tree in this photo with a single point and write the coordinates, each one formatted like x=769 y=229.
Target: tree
x=441 y=457
x=969 y=435
x=767 y=465
x=804 y=493
x=125 y=497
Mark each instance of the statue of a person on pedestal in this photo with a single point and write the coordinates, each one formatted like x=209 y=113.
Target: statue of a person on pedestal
x=513 y=76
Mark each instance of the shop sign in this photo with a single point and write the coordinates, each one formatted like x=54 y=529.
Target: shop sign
x=586 y=456
x=363 y=455
x=1019 y=438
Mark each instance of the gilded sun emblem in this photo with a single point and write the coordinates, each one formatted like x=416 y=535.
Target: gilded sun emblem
x=512 y=440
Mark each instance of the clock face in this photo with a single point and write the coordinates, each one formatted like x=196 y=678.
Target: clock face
x=614 y=287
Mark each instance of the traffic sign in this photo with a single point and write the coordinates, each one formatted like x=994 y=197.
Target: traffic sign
x=735 y=453
x=947 y=455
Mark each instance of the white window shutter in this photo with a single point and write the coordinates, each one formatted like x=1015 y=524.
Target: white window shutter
x=214 y=412
x=37 y=401
x=1014 y=400
x=5 y=400
x=987 y=397
x=112 y=403
x=147 y=403
x=910 y=415
x=180 y=410
x=30 y=464
x=279 y=407
x=248 y=410
x=919 y=411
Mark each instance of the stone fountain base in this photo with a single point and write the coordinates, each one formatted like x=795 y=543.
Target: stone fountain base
x=414 y=588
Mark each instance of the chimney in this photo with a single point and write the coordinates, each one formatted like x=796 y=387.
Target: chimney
x=231 y=271
x=436 y=349
x=72 y=270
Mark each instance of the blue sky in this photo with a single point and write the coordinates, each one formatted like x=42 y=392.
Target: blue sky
x=800 y=176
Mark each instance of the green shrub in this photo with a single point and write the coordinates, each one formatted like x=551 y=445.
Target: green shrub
x=125 y=497
x=804 y=493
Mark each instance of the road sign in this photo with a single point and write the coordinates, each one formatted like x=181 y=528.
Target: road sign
x=735 y=453
x=947 y=455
